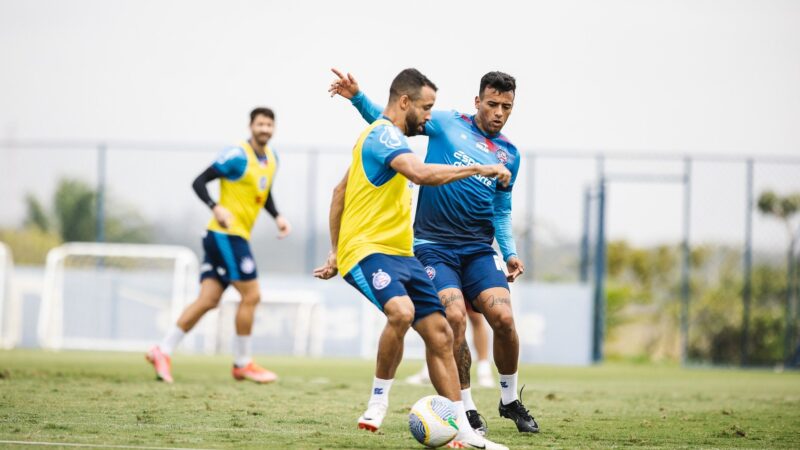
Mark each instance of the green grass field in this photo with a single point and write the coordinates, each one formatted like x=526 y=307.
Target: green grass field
x=112 y=399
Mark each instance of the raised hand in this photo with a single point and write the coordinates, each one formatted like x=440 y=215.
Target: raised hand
x=346 y=86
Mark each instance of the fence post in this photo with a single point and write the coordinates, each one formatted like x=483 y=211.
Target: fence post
x=686 y=258
x=600 y=267
x=100 y=213
x=311 y=211
x=747 y=290
x=795 y=361
x=529 y=200
x=788 y=336
x=584 y=255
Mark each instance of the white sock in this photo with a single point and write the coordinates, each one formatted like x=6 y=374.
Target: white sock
x=484 y=367
x=461 y=417
x=172 y=339
x=242 y=350
x=508 y=388
x=466 y=398
x=380 y=391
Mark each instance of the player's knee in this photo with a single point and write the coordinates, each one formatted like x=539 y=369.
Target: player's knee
x=251 y=298
x=457 y=318
x=504 y=324
x=207 y=303
x=401 y=318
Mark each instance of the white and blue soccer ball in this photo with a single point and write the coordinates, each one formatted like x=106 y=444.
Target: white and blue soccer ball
x=432 y=421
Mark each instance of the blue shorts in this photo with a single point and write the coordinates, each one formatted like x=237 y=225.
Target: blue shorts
x=381 y=277
x=227 y=258
x=472 y=268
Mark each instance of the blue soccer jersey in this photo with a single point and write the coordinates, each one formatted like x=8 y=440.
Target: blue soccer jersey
x=475 y=209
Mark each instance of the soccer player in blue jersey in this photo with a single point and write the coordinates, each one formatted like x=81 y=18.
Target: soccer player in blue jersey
x=372 y=246
x=456 y=224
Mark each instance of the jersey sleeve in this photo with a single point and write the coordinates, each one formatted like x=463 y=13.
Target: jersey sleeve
x=383 y=144
x=502 y=224
x=438 y=122
x=369 y=111
x=231 y=163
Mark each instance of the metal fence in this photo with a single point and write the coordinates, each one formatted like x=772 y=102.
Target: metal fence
x=567 y=206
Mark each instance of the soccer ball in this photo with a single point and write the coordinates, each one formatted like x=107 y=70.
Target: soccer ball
x=432 y=421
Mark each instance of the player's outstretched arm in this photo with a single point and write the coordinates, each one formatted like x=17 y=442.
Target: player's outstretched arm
x=418 y=172
x=331 y=268
x=347 y=87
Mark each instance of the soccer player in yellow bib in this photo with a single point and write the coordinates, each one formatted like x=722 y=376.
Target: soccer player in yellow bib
x=246 y=172
x=371 y=237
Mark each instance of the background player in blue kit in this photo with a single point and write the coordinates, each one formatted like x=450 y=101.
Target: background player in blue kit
x=456 y=224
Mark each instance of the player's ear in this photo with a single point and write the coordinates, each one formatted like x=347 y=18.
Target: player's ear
x=405 y=102
x=477 y=101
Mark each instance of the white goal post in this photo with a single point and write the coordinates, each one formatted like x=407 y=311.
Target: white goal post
x=96 y=265
x=10 y=308
x=293 y=315
x=124 y=297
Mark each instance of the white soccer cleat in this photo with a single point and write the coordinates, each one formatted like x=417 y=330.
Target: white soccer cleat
x=373 y=417
x=420 y=378
x=486 y=380
x=468 y=438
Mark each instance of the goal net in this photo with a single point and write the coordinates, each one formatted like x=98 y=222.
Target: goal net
x=113 y=296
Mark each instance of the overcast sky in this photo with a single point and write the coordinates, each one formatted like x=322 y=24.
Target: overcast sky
x=643 y=76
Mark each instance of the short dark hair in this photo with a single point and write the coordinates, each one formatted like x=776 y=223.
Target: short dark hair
x=409 y=82
x=261 y=111
x=500 y=81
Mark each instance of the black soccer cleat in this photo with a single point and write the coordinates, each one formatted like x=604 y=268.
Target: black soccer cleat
x=516 y=411
x=477 y=422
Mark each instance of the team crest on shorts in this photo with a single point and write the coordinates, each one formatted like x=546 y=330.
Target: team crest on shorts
x=430 y=271
x=380 y=279
x=247 y=265
x=502 y=156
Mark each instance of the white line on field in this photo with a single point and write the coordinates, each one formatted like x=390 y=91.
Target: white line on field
x=67 y=444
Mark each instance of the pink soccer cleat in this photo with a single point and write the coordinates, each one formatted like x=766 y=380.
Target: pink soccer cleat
x=161 y=362
x=254 y=372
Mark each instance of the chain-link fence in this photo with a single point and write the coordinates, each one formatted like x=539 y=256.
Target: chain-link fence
x=685 y=260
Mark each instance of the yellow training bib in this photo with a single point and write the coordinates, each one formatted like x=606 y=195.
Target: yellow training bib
x=377 y=215
x=244 y=196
